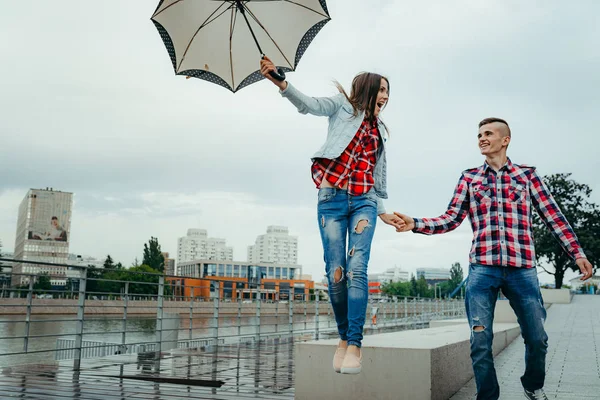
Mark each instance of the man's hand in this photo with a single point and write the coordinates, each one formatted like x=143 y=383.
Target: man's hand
x=392 y=220
x=408 y=224
x=266 y=66
x=585 y=267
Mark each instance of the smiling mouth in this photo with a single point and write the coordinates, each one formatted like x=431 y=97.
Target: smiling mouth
x=483 y=146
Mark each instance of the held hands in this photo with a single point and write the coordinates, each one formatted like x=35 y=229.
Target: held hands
x=392 y=220
x=585 y=267
x=266 y=66
x=407 y=224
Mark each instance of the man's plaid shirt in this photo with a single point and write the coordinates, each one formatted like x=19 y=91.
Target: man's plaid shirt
x=499 y=206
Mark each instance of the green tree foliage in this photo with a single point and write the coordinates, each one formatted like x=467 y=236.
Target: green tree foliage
x=153 y=256
x=400 y=289
x=42 y=284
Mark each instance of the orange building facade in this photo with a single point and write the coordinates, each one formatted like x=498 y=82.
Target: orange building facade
x=236 y=280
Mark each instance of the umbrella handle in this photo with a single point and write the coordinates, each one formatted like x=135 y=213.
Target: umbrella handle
x=279 y=75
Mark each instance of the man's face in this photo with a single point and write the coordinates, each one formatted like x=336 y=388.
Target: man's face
x=493 y=138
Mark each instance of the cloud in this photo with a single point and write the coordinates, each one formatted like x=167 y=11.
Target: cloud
x=91 y=105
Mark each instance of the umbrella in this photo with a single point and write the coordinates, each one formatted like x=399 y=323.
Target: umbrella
x=220 y=41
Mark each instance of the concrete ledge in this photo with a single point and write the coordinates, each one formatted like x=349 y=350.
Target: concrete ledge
x=426 y=364
x=556 y=296
x=447 y=322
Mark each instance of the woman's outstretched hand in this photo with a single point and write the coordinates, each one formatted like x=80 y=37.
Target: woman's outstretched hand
x=267 y=66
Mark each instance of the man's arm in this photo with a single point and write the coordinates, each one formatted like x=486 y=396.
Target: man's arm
x=553 y=218
x=450 y=220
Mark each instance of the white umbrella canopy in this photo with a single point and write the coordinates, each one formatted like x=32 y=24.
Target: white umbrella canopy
x=222 y=41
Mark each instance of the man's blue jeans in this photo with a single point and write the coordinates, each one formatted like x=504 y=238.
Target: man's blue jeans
x=521 y=287
x=344 y=216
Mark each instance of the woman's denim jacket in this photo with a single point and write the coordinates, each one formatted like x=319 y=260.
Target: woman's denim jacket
x=343 y=126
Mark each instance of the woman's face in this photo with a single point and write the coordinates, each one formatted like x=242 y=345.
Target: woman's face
x=382 y=96
x=55 y=223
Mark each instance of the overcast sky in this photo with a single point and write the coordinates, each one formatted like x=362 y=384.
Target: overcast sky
x=90 y=105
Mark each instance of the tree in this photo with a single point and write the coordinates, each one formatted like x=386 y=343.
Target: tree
x=42 y=283
x=400 y=289
x=583 y=215
x=423 y=288
x=109 y=263
x=153 y=257
x=413 y=286
x=143 y=278
x=456 y=275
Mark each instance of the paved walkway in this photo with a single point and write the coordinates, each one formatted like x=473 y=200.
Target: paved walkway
x=573 y=360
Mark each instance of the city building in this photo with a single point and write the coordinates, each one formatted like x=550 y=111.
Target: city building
x=433 y=275
x=169 y=264
x=196 y=245
x=276 y=246
x=43 y=235
x=5 y=271
x=391 y=275
x=240 y=280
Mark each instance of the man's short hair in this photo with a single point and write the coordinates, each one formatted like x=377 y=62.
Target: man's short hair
x=492 y=120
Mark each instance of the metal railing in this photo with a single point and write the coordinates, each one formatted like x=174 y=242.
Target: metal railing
x=151 y=315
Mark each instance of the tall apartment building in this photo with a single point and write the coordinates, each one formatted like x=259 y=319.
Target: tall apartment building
x=196 y=245
x=276 y=246
x=169 y=264
x=43 y=234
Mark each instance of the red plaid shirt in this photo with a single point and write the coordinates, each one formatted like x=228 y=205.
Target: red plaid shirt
x=354 y=166
x=499 y=206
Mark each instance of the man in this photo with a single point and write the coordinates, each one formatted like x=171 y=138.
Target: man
x=498 y=197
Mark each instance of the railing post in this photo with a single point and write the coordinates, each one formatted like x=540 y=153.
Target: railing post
x=395 y=310
x=80 y=318
x=239 y=317
x=124 y=322
x=405 y=307
x=414 y=313
x=257 y=331
x=190 y=330
x=305 y=318
x=28 y=316
x=317 y=318
x=291 y=317
x=215 y=321
x=159 y=316
x=277 y=316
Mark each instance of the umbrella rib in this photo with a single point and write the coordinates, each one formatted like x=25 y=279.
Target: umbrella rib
x=204 y=24
x=231 y=27
x=308 y=8
x=269 y=35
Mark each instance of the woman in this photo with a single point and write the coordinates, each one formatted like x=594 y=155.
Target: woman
x=350 y=172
